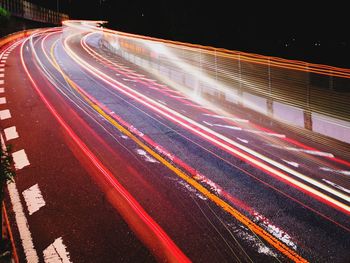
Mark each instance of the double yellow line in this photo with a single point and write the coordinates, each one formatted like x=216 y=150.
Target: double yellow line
x=273 y=241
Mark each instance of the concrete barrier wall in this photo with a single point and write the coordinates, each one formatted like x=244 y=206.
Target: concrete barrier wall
x=331 y=127
x=289 y=114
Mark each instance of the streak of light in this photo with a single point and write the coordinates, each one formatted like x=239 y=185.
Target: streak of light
x=268 y=132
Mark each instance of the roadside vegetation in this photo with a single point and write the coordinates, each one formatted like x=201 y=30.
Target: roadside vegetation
x=4 y=16
x=7 y=174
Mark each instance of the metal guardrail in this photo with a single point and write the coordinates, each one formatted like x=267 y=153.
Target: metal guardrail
x=27 y=10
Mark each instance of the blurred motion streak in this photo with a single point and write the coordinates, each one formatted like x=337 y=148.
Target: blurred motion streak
x=138 y=219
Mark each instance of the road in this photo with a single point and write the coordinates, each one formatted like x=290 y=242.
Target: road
x=133 y=170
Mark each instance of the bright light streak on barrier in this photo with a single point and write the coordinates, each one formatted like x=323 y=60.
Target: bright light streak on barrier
x=214 y=107
x=231 y=77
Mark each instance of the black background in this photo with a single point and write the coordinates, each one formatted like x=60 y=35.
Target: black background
x=317 y=32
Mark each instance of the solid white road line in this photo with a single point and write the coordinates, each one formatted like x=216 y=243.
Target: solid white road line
x=21 y=220
x=20 y=159
x=56 y=252
x=22 y=224
x=2 y=100
x=34 y=199
x=11 y=133
x=5 y=114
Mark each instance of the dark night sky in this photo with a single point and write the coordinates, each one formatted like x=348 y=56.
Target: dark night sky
x=305 y=31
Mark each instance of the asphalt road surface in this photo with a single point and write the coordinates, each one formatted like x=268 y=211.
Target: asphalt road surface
x=117 y=166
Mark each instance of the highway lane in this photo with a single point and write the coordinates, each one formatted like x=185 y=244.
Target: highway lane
x=206 y=165
x=76 y=214
x=312 y=163
x=187 y=213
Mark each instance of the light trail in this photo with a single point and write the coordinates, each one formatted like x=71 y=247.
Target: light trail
x=187 y=123
x=160 y=243
x=220 y=140
x=243 y=219
x=163 y=152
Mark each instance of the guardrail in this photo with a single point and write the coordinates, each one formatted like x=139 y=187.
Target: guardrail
x=27 y=10
x=14 y=36
x=309 y=96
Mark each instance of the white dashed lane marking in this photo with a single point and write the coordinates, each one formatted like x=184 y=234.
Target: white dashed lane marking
x=2 y=75
x=337 y=186
x=11 y=133
x=56 y=252
x=291 y=163
x=242 y=140
x=245 y=130
x=20 y=159
x=344 y=172
x=2 y=100
x=226 y=118
x=2 y=82
x=225 y=126
x=2 y=90
x=312 y=152
x=34 y=199
x=5 y=114
x=178 y=97
x=2 y=70
x=130 y=80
